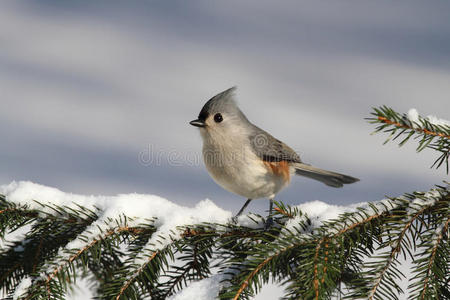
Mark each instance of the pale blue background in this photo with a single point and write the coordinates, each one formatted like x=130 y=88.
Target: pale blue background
x=86 y=86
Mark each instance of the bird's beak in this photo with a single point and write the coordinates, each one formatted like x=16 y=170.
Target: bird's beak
x=197 y=123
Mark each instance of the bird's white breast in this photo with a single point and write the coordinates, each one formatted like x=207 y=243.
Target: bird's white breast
x=234 y=166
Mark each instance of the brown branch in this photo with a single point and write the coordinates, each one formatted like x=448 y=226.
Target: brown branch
x=402 y=234
x=432 y=257
x=38 y=252
x=189 y=232
x=426 y=131
x=395 y=250
x=82 y=250
x=136 y=274
x=316 y=275
x=174 y=284
x=33 y=214
x=26 y=214
x=375 y=287
x=354 y=225
x=283 y=212
x=252 y=274
x=325 y=264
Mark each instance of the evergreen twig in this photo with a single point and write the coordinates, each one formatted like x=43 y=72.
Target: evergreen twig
x=432 y=136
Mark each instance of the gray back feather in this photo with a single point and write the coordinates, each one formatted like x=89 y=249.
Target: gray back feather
x=270 y=149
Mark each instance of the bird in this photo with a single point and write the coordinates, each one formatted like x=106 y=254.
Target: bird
x=248 y=161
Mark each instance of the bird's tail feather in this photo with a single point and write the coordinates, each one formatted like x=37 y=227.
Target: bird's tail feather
x=329 y=178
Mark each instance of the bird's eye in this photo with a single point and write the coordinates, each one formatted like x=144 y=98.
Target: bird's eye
x=218 y=118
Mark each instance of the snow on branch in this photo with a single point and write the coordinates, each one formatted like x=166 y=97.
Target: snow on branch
x=165 y=216
x=148 y=246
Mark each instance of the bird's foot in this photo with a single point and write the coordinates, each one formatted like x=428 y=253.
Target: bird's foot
x=269 y=223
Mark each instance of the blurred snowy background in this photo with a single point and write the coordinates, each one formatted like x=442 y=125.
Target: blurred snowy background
x=96 y=96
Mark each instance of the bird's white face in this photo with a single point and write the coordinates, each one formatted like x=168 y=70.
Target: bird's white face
x=220 y=126
x=221 y=121
x=215 y=122
x=214 y=127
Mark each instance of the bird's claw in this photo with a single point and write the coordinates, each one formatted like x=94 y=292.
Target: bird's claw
x=269 y=223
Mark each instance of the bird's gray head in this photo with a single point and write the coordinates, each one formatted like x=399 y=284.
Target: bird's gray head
x=221 y=115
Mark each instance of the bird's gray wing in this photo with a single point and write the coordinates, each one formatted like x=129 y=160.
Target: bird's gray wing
x=270 y=149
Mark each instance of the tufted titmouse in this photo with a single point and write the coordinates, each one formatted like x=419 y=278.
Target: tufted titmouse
x=246 y=160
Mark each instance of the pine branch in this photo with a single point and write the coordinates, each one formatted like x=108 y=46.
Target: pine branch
x=135 y=275
x=432 y=259
x=13 y=216
x=48 y=233
x=432 y=136
x=432 y=265
x=132 y=261
x=314 y=263
x=62 y=268
x=137 y=279
x=196 y=253
x=419 y=130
